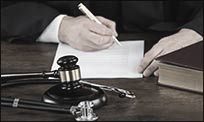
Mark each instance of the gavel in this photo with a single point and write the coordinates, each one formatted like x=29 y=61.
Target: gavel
x=69 y=91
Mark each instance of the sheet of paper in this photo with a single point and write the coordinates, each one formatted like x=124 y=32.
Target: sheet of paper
x=115 y=62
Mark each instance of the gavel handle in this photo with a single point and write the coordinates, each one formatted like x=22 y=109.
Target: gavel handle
x=6 y=77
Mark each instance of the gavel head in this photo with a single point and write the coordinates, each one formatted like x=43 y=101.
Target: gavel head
x=68 y=62
x=69 y=70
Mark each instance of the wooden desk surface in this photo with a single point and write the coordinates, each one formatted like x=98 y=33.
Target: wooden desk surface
x=152 y=102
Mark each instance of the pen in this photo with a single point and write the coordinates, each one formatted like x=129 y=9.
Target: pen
x=84 y=10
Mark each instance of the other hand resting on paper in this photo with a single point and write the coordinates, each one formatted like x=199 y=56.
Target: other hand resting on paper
x=83 y=34
x=183 y=38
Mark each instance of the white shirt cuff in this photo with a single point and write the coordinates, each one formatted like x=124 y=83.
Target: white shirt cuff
x=50 y=34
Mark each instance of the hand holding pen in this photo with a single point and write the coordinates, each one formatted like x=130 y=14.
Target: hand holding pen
x=85 y=35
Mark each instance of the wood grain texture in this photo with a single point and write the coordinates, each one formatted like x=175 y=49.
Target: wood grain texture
x=152 y=102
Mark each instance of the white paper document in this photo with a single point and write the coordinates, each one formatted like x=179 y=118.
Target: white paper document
x=114 y=62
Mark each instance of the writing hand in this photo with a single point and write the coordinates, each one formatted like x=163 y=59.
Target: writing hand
x=83 y=34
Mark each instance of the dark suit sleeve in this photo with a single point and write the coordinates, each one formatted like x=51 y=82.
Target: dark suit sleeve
x=25 y=20
x=191 y=13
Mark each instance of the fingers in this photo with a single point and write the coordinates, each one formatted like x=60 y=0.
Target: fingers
x=91 y=47
x=110 y=24
x=107 y=45
x=151 y=69
x=96 y=41
x=148 y=58
x=99 y=29
x=156 y=73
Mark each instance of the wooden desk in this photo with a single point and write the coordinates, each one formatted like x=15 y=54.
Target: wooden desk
x=153 y=102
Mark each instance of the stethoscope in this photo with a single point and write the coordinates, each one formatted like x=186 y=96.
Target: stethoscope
x=71 y=95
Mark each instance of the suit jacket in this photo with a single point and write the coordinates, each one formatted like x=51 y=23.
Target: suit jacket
x=27 y=20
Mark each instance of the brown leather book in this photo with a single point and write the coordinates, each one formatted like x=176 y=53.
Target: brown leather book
x=183 y=68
